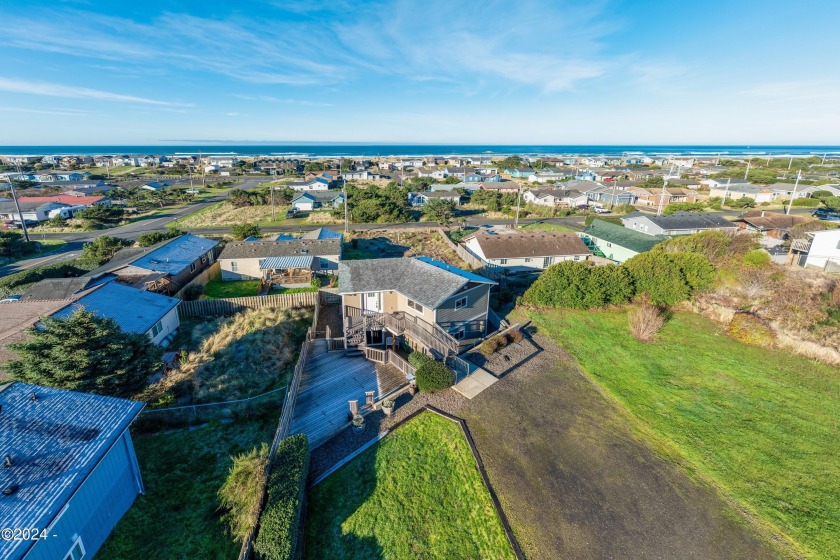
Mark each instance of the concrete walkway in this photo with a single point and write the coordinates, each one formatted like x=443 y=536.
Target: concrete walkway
x=475 y=383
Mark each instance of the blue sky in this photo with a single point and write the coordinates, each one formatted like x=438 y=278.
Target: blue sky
x=643 y=72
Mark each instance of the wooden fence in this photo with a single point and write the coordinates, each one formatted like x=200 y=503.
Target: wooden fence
x=232 y=306
x=389 y=357
x=491 y=271
x=200 y=280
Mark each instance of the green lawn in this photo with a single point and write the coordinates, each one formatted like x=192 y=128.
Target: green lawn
x=179 y=517
x=543 y=226
x=218 y=289
x=763 y=425
x=47 y=247
x=305 y=290
x=415 y=494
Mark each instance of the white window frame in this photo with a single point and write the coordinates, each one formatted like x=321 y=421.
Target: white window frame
x=414 y=305
x=77 y=542
x=502 y=261
x=234 y=267
x=459 y=305
x=157 y=328
x=192 y=267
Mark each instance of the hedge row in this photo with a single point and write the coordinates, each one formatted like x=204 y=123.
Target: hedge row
x=281 y=518
x=666 y=278
x=433 y=376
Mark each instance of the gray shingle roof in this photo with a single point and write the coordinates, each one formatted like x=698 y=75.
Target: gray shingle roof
x=133 y=310
x=55 y=288
x=684 y=220
x=530 y=244
x=264 y=249
x=55 y=442
x=419 y=279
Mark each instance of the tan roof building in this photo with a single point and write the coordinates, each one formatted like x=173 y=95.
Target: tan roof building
x=527 y=251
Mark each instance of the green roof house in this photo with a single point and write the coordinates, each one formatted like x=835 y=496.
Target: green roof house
x=619 y=243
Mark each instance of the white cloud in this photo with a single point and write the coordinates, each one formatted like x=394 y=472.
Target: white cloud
x=62 y=112
x=58 y=90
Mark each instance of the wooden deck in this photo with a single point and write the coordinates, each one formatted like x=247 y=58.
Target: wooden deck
x=330 y=380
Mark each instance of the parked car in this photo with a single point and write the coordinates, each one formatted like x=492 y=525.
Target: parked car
x=29 y=223
x=292 y=213
x=601 y=210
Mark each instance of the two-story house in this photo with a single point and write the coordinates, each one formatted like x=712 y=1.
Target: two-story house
x=431 y=305
x=678 y=223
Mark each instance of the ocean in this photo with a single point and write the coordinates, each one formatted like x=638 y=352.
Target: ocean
x=377 y=150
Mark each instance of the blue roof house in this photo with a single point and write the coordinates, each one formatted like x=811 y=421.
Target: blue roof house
x=520 y=172
x=136 y=311
x=68 y=469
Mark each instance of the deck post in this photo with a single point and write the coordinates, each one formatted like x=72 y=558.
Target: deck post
x=354 y=408
x=370 y=397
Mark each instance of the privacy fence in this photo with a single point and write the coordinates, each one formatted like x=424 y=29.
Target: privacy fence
x=488 y=270
x=231 y=306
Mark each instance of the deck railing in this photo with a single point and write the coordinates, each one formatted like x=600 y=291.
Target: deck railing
x=428 y=334
x=401 y=363
x=376 y=355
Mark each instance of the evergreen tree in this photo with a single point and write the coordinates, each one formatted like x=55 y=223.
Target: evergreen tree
x=86 y=353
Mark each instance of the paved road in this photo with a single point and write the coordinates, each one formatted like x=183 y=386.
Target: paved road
x=75 y=241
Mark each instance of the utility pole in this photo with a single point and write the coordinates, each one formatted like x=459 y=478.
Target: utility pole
x=664 y=192
x=747 y=172
x=273 y=209
x=725 y=193
x=518 y=198
x=344 y=193
x=793 y=194
x=790 y=162
x=17 y=206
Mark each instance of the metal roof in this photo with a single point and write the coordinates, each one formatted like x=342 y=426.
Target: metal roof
x=683 y=220
x=274 y=263
x=176 y=255
x=321 y=233
x=55 y=440
x=623 y=237
x=264 y=249
x=133 y=310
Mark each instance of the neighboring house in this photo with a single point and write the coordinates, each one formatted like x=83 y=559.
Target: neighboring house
x=460 y=172
x=521 y=172
x=824 y=251
x=653 y=197
x=17 y=316
x=608 y=196
x=786 y=191
x=312 y=200
x=70 y=469
x=520 y=251
x=135 y=311
x=433 y=173
x=165 y=267
x=34 y=211
x=742 y=190
x=713 y=184
x=503 y=186
x=809 y=190
x=688 y=184
x=51 y=289
x=770 y=224
x=678 y=223
x=555 y=197
x=322 y=233
x=72 y=204
x=619 y=243
x=586 y=176
x=313 y=184
x=357 y=175
x=156 y=186
x=432 y=305
x=548 y=177
x=474 y=178
x=421 y=198
x=259 y=259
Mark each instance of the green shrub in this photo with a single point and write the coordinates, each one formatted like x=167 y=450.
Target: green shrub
x=749 y=329
x=807 y=202
x=242 y=491
x=658 y=276
x=154 y=237
x=417 y=359
x=243 y=231
x=684 y=207
x=817 y=194
x=433 y=376
x=579 y=285
x=757 y=258
x=281 y=518
x=696 y=269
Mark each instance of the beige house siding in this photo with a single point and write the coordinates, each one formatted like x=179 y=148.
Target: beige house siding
x=249 y=268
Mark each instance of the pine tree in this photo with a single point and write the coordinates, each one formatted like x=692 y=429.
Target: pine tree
x=86 y=353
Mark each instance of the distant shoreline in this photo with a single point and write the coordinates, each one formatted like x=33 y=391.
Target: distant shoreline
x=417 y=150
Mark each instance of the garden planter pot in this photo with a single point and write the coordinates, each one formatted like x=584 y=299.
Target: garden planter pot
x=388 y=411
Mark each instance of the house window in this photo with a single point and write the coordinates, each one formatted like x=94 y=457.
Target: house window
x=461 y=303
x=502 y=261
x=156 y=329
x=233 y=266
x=415 y=306
x=609 y=244
x=203 y=259
x=77 y=551
x=548 y=261
x=192 y=267
x=527 y=259
x=459 y=333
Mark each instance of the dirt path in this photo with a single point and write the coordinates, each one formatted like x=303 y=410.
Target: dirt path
x=576 y=484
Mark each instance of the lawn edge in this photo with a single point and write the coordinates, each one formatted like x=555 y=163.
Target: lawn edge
x=668 y=450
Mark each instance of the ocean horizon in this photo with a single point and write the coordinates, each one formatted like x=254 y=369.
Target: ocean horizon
x=316 y=150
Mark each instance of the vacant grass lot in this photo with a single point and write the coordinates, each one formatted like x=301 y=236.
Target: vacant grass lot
x=543 y=226
x=416 y=494
x=576 y=482
x=761 y=424
x=179 y=515
x=218 y=289
x=223 y=214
